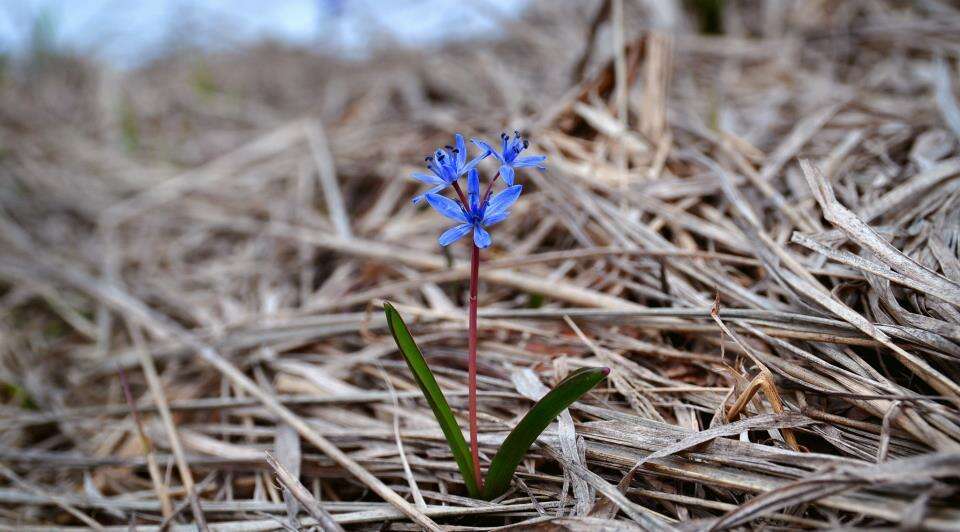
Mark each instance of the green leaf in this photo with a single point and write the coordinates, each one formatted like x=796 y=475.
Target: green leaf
x=434 y=395
x=537 y=419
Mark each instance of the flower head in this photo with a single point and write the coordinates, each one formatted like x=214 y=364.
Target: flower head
x=508 y=155
x=478 y=215
x=446 y=165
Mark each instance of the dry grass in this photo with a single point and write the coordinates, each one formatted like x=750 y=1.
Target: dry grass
x=764 y=249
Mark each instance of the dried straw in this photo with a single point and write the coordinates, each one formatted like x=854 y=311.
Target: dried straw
x=756 y=230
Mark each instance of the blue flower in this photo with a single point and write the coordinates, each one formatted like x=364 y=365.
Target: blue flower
x=478 y=215
x=446 y=165
x=510 y=149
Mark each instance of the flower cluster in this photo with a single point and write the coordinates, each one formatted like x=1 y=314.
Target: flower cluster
x=510 y=149
x=446 y=165
x=474 y=212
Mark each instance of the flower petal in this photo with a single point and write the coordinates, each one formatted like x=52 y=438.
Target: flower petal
x=427 y=178
x=454 y=233
x=473 y=188
x=474 y=162
x=533 y=160
x=507 y=174
x=484 y=146
x=481 y=237
x=448 y=174
x=513 y=148
x=420 y=197
x=495 y=219
x=461 y=150
x=447 y=207
x=502 y=201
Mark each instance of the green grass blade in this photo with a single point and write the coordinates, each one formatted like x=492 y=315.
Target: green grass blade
x=537 y=419
x=434 y=395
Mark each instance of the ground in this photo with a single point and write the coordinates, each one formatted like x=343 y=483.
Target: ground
x=751 y=219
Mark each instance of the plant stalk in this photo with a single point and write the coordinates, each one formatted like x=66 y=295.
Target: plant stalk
x=486 y=193
x=472 y=363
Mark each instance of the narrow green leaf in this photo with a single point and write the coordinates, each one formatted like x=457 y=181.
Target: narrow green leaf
x=435 y=398
x=537 y=419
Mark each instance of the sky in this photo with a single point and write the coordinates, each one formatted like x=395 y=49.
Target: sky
x=129 y=32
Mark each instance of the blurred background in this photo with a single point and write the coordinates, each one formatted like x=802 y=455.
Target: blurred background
x=130 y=34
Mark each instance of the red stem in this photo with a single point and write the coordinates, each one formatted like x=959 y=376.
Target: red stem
x=486 y=193
x=472 y=383
x=463 y=198
x=472 y=339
